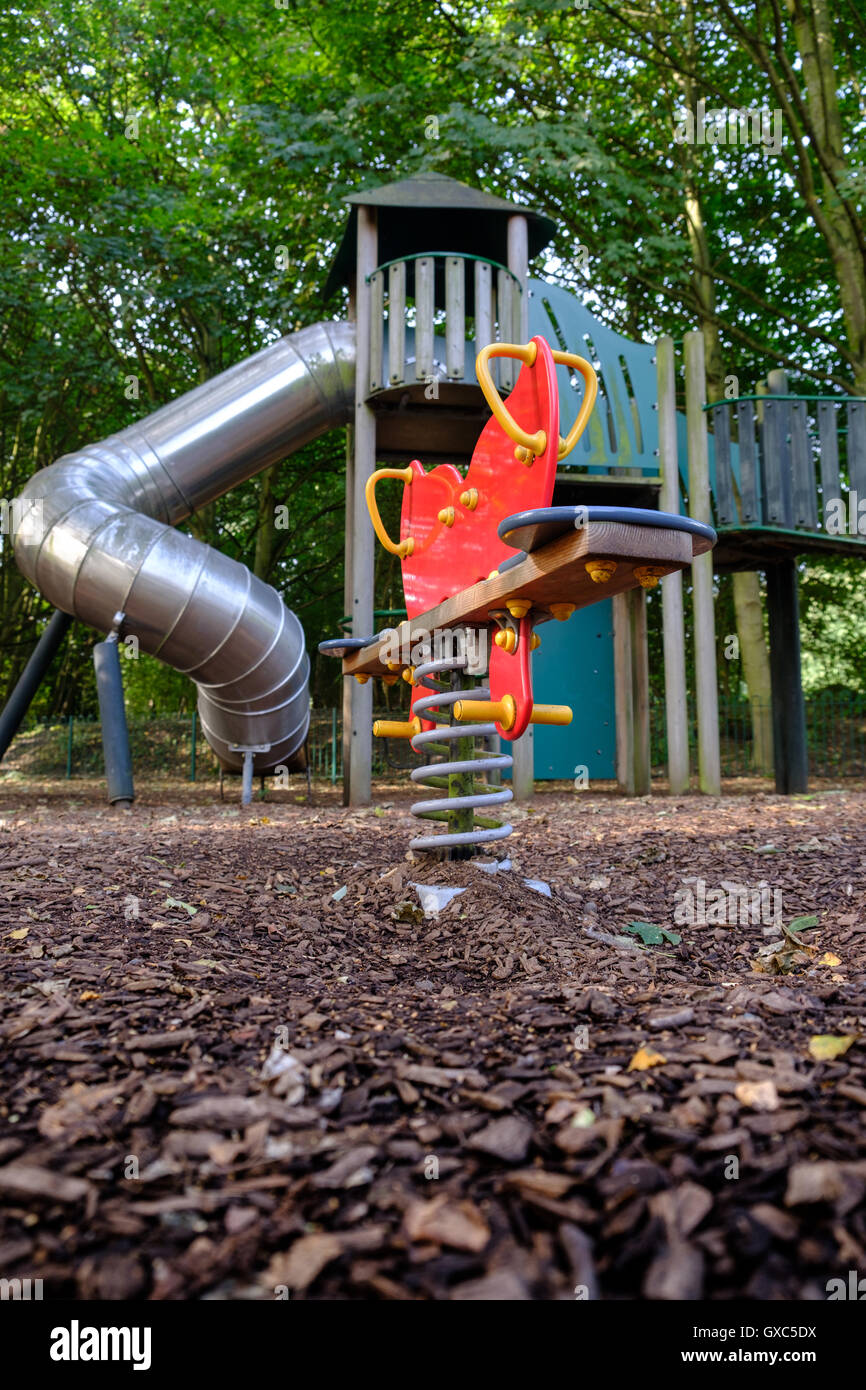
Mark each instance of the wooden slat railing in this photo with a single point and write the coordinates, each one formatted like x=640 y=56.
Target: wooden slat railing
x=434 y=283
x=793 y=456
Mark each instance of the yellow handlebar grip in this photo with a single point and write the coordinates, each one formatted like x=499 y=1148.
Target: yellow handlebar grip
x=484 y=711
x=401 y=548
x=587 y=371
x=394 y=728
x=534 y=444
x=550 y=714
x=503 y=712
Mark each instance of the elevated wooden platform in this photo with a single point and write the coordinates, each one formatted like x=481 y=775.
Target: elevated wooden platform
x=754 y=548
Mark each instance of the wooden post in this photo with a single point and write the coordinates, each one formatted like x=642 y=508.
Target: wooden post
x=523 y=748
x=346 y=693
x=483 y=306
x=397 y=323
x=640 y=692
x=709 y=758
x=518 y=264
x=455 y=317
x=623 y=707
x=425 y=290
x=790 y=750
x=631 y=680
x=676 y=709
x=362 y=545
x=522 y=751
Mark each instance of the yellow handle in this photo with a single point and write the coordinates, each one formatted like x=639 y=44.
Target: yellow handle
x=587 y=371
x=503 y=712
x=406 y=475
x=393 y=728
x=551 y=714
x=534 y=444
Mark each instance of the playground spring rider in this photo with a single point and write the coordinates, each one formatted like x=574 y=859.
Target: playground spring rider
x=450 y=542
x=487 y=553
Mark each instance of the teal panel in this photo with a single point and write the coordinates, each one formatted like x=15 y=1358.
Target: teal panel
x=623 y=430
x=574 y=666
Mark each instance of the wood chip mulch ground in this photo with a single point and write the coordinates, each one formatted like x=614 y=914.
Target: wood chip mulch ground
x=225 y=1077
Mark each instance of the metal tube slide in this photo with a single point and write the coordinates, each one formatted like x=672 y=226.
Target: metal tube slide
x=97 y=537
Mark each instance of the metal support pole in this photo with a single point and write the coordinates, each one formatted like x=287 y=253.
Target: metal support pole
x=248 y=750
x=112 y=714
x=192 y=750
x=31 y=677
x=247 y=779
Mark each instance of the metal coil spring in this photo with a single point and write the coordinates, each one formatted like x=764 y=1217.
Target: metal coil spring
x=438 y=740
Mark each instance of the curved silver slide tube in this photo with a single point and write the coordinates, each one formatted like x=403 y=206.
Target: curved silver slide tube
x=97 y=538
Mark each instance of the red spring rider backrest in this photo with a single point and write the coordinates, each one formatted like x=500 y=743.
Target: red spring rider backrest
x=448 y=524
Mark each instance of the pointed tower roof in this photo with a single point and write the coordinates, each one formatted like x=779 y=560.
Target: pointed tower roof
x=430 y=212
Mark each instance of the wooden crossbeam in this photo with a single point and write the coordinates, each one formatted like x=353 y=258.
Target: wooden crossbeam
x=554 y=574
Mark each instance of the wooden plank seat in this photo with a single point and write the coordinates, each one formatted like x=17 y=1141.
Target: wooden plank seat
x=552 y=573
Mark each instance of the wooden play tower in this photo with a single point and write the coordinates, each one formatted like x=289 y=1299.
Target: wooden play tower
x=435 y=271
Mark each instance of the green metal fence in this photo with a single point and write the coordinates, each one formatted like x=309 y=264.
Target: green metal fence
x=172 y=747
x=325 y=746
x=835 y=735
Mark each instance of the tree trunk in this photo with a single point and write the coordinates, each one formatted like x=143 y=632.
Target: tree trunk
x=755 y=666
x=265 y=524
x=842 y=226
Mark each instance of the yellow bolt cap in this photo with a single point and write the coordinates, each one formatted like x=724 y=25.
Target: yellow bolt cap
x=561 y=611
x=600 y=571
x=648 y=576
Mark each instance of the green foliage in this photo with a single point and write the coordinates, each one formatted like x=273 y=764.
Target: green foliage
x=833 y=620
x=173 y=178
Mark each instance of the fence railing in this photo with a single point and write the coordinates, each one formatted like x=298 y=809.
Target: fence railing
x=835 y=735
x=790 y=462
x=169 y=746
x=172 y=747
x=433 y=303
